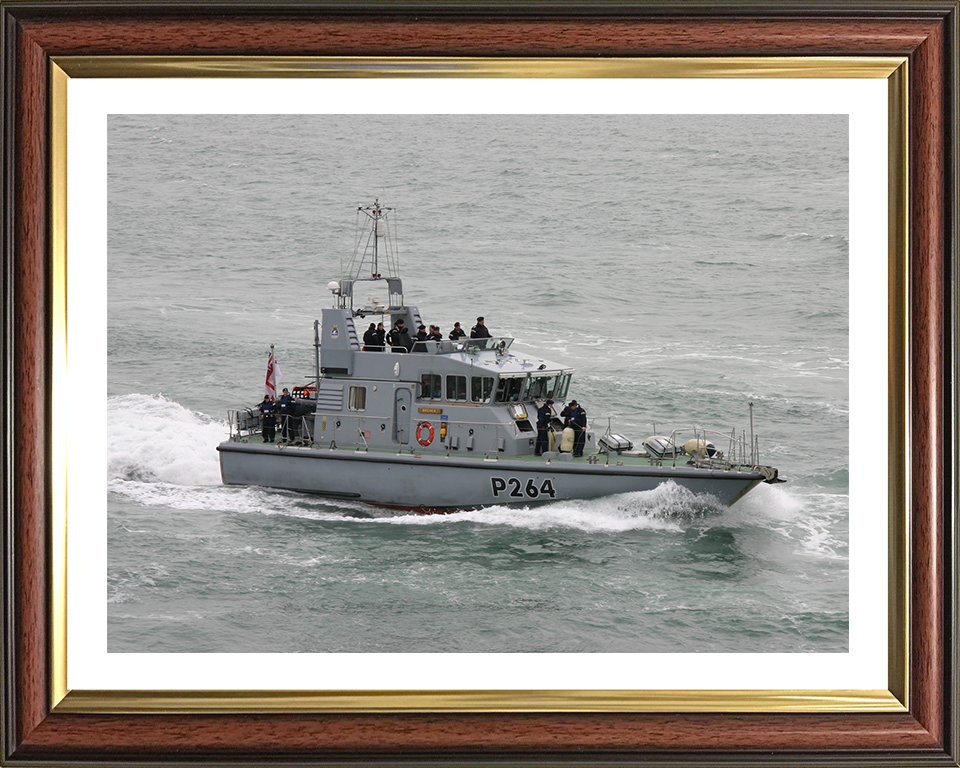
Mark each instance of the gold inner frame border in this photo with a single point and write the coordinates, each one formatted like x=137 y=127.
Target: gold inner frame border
x=895 y=699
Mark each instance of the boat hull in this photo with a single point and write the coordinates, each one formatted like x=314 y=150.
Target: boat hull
x=444 y=483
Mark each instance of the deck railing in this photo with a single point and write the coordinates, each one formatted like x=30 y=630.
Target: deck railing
x=354 y=431
x=247 y=422
x=446 y=346
x=350 y=431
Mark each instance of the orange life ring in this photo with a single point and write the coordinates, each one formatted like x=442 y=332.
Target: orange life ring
x=420 y=428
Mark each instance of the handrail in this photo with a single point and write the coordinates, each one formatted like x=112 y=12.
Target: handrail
x=240 y=428
x=740 y=449
x=447 y=346
x=247 y=422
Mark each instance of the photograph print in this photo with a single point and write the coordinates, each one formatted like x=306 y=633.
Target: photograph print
x=478 y=383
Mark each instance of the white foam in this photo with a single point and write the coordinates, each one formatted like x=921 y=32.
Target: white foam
x=771 y=502
x=152 y=438
x=243 y=500
x=665 y=508
x=808 y=522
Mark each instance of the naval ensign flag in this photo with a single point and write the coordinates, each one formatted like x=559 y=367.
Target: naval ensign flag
x=273 y=376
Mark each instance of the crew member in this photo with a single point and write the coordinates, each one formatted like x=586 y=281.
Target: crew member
x=370 y=339
x=268 y=419
x=544 y=413
x=381 y=336
x=479 y=331
x=405 y=339
x=578 y=422
x=397 y=338
x=457 y=333
x=286 y=405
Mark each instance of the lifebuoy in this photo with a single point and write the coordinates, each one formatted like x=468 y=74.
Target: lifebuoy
x=429 y=427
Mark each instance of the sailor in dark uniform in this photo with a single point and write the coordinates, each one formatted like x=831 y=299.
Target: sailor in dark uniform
x=479 y=331
x=578 y=421
x=370 y=339
x=381 y=337
x=286 y=405
x=268 y=419
x=457 y=333
x=418 y=338
x=434 y=334
x=397 y=338
x=544 y=413
x=567 y=410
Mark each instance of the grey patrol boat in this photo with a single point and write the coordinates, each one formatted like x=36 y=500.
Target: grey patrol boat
x=438 y=426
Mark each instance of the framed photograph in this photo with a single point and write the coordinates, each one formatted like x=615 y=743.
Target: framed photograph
x=145 y=152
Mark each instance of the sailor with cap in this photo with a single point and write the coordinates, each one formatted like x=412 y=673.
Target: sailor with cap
x=286 y=405
x=568 y=409
x=577 y=420
x=398 y=337
x=544 y=414
x=479 y=331
x=268 y=419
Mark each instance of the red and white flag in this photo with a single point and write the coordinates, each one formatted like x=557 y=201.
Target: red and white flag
x=273 y=377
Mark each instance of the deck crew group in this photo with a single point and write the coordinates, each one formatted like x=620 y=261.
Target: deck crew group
x=377 y=339
x=270 y=409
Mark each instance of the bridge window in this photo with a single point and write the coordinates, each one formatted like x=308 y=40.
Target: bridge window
x=508 y=390
x=540 y=388
x=430 y=387
x=481 y=388
x=457 y=389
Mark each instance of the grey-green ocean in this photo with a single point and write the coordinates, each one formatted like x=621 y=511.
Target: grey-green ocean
x=685 y=266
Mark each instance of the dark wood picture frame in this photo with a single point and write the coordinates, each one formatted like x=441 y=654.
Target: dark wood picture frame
x=33 y=33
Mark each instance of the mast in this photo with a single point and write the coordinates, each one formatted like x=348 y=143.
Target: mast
x=378 y=232
x=374 y=259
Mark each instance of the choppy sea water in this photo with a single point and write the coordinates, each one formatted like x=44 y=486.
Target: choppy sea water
x=684 y=265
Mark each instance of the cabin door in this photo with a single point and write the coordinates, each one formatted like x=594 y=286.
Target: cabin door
x=401 y=416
